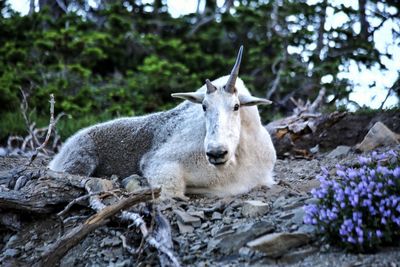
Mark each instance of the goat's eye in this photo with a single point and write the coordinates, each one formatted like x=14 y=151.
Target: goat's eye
x=204 y=108
x=236 y=107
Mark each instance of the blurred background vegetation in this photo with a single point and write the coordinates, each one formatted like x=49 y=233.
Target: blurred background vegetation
x=103 y=59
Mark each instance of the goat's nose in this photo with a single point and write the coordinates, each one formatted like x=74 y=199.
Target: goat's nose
x=217 y=153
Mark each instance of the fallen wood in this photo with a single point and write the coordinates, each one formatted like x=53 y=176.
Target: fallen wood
x=164 y=245
x=80 y=199
x=162 y=234
x=298 y=135
x=57 y=250
x=288 y=134
x=44 y=190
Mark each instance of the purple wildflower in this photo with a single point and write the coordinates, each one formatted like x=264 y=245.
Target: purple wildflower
x=364 y=160
x=379 y=233
x=396 y=172
x=365 y=197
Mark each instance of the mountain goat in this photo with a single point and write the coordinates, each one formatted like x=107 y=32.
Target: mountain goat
x=212 y=144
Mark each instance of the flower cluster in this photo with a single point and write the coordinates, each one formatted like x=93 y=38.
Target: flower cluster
x=360 y=205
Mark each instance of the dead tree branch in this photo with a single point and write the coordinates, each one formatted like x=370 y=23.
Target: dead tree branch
x=56 y=251
x=50 y=128
x=80 y=199
x=29 y=126
x=136 y=220
x=386 y=98
x=31 y=141
x=44 y=189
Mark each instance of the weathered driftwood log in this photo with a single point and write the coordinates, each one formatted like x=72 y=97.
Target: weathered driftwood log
x=298 y=134
x=43 y=190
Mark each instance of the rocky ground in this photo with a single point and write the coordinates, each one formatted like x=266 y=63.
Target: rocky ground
x=207 y=231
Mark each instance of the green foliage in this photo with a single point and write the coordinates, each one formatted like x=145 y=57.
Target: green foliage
x=126 y=58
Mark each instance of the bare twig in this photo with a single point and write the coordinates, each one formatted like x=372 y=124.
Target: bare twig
x=138 y=221
x=308 y=107
x=318 y=101
x=163 y=235
x=126 y=246
x=31 y=141
x=62 y=6
x=73 y=218
x=386 y=98
x=49 y=130
x=11 y=139
x=276 y=82
x=201 y=23
x=28 y=124
x=79 y=199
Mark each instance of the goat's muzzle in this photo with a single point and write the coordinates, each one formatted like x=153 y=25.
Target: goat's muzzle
x=217 y=156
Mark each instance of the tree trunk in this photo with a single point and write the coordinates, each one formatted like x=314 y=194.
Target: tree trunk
x=56 y=8
x=321 y=30
x=31 y=7
x=363 y=20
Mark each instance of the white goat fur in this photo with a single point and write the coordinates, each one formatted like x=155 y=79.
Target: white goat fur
x=168 y=149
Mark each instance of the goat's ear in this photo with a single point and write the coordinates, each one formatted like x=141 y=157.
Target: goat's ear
x=248 y=100
x=193 y=97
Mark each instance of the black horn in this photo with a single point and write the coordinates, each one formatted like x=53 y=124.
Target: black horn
x=230 y=85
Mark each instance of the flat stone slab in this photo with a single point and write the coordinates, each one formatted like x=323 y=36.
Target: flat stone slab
x=339 y=151
x=255 y=208
x=277 y=244
x=186 y=218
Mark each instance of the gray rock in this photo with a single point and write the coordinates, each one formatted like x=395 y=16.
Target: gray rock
x=199 y=214
x=315 y=149
x=378 y=135
x=307 y=229
x=339 y=151
x=311 y=201
x=21 y=182
x=294 y=203
x=232 y=242
x=11 y=241
x=254 y=208
x=286 y=215
x=195 y=247
x=214 y=231
x=279 y=202
x=3 y=152
x=124 y=263
x=134 y=182
x=246 y=252
x=28 y=246
x=227 y=220
x=216 y=216
x=110 y=242
x=11 y=252
x=298 y=216
x=296 y=256
x=277 y=244
x=184 y=228
x=222 y=233
x=186 y=218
